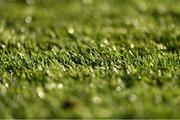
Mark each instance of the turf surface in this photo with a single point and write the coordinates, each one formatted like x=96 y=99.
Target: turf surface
x=89 y=59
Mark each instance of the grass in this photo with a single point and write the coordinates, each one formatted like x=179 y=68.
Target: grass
x=89 y=59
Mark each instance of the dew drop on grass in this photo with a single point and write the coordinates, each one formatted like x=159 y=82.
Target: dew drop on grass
x=6 y=85
x=3 y=46
x=40 y=68
x=139 y=77
x=132 y=46
x=128 y=72
x=102 y=45
x=60 y=86
x=161 y=47
x=40 y=92
x=28 y=19
x=109 y=49
x=96 y=100
x=71 y=31
x=50 y=86
x=118 y=88
x=11 y=72
x=151 y=72
x=105 y=40
x=123 y=48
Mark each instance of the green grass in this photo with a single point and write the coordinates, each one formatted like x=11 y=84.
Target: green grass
x=89 y=59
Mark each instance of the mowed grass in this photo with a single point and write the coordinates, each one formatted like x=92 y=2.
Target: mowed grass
x=89 y=59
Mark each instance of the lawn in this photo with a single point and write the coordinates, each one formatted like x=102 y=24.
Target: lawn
x=89 y=59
